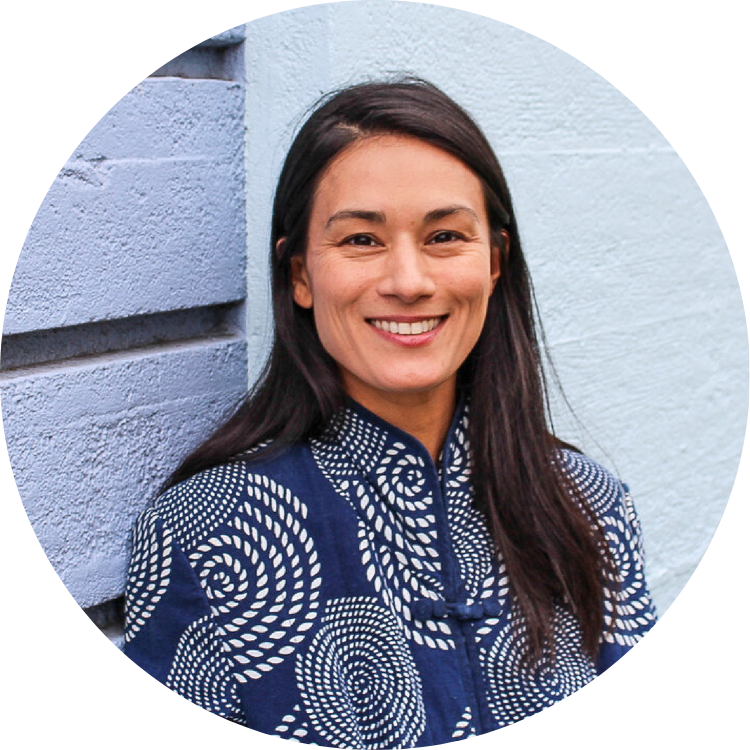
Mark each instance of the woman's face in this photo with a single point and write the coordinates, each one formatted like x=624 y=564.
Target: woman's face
x=398 y=267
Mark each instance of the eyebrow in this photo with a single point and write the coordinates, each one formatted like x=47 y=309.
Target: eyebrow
x=374 y=217
x=378 y=217
x=441 y=213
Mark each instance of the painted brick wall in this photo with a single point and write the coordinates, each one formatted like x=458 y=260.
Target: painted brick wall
x=124 y=331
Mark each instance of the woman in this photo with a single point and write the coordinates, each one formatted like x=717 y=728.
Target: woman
x=385 y=546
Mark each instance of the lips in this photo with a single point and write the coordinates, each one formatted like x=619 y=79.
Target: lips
x=406 y=328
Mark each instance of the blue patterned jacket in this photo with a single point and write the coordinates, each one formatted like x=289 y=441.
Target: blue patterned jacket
x=346 y=593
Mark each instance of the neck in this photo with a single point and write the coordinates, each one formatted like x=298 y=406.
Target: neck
x=425 y=415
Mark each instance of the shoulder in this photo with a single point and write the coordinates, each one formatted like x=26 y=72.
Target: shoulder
x=609 y=504
x=199 y=506
x=607 y=499
x=598 y=487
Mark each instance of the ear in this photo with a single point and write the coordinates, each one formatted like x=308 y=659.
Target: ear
x=301 y=288
x=497 y=256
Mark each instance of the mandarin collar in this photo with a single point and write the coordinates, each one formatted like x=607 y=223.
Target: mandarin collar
x=368 y=438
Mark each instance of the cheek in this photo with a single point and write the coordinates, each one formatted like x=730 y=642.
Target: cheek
x=472 y=288
x=339 y=290
x=336 y=308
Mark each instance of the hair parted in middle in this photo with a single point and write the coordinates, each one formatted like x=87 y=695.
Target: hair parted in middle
x=553 y=549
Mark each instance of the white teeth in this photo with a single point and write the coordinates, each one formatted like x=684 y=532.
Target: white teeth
x=406 y=329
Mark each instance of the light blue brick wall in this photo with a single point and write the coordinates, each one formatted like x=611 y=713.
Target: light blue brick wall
x=123 y=337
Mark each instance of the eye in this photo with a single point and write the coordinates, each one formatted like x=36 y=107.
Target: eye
x=444 y=236
x=363 y=240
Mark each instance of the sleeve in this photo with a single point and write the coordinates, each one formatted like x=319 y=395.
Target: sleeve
x=629 y=608
x=170 y=630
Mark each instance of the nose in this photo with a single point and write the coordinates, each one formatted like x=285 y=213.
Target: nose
x=407 y=274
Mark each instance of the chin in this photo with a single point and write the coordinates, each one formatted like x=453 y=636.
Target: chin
x=411 y=385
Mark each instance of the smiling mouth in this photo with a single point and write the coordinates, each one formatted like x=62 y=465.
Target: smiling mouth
x=407 y=329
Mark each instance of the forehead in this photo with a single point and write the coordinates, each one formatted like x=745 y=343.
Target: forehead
x=396 y=172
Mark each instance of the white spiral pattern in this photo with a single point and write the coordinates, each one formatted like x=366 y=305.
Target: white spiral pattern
x=194 y=508
x=517 y=689
x=401 y=478
x=187 y=512
x=262 y=578
x=202 y=673
x=359 y=684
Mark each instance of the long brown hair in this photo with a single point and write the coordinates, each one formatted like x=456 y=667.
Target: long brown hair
x=553 y=549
